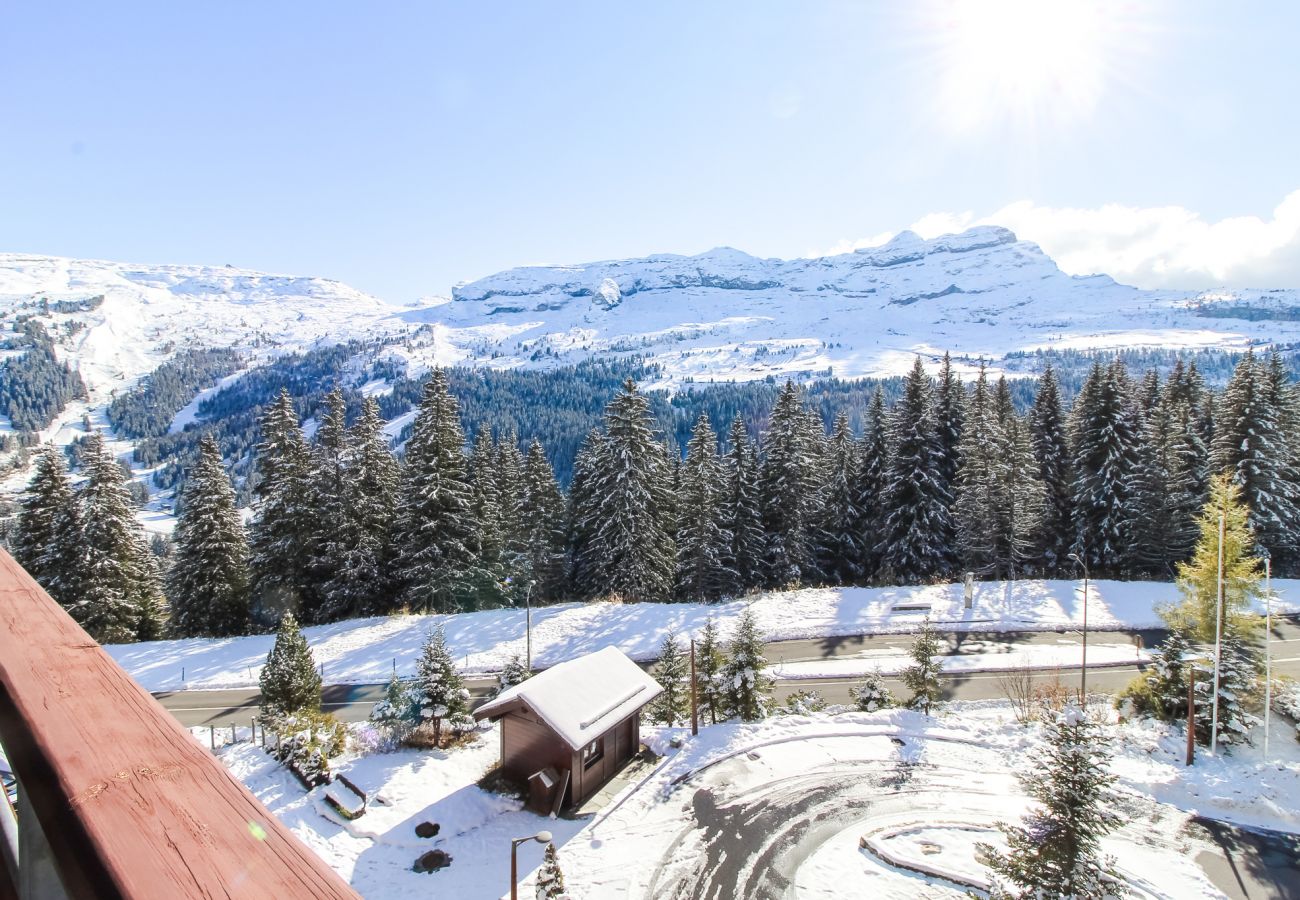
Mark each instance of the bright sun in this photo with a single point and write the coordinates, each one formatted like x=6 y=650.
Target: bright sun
x=1031 y=62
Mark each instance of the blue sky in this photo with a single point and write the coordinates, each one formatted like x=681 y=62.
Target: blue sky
x=404 y=148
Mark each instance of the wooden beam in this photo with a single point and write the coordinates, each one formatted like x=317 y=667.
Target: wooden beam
x=130 y=804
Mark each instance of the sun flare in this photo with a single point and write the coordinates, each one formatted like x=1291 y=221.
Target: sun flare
x=1028 y=62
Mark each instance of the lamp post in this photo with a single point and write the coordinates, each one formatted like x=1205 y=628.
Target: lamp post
x=528 y=627
x=1268 y=648
x=1083 y=677
x=542 y=837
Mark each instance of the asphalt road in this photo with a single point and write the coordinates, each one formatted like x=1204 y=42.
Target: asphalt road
x=353 y=702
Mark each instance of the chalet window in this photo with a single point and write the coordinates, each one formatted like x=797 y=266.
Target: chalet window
x=593 y=753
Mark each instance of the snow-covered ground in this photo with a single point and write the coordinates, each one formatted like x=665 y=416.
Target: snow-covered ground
x=369 y=650
x=788 y=798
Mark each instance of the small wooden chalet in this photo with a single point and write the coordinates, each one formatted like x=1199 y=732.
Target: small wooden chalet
x=569 y=729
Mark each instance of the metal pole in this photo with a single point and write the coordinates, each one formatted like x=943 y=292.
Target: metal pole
x=1218 y=641
x=1191 y=715
x=528 y=624
x=695 y=704
x=514 y=870
x=1268 y=649
x=1083 y=675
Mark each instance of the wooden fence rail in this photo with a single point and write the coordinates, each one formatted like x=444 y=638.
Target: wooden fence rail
x=127 y=803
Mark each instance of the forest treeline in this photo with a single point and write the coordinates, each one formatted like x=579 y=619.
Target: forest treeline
x=949 y=477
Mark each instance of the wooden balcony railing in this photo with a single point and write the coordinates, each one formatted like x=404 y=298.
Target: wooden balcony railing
x=116 y=799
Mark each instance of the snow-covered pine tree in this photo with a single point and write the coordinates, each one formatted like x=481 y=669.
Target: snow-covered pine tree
x=949 y=421
x=1022 y=502
x=923 y=676
x=486 y=511
x=787 y=489
x=1056 y=850
x=587 y=567
x=1164 y=686
x=979 y=481
x=916 y=520
x=119 y=589
x=47 y=537
x=208 y=582
x=397 y=713
x=1050 y=444
x=672 y=671
x=541 y=513
x=836 y=536
x=550 y=880
x=872 y=694
x=289 y=681
x=743 y=519
x=749 y=687
x=710 y=665
x=437 y=538
x=360 y=582
x=329 y=509
x=442 y=695
x=1104 y=457
x=869 y=483
x=1238 y=684
x=280 y=536
x=509 y=465
x=514 y=672
x=1168 y=489
x=703 y=543
x=1198 y=578
x=1249 y=441
x=632 y=486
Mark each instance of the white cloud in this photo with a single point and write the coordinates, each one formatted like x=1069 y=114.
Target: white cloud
x=1151 y=247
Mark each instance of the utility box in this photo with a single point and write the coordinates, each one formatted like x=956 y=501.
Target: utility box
x=541 y=790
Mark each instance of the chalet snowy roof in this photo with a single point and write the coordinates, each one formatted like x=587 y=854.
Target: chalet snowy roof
x=582 y=698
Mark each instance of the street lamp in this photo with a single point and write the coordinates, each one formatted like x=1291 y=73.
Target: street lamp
x=1083 y=677
x=542 y=837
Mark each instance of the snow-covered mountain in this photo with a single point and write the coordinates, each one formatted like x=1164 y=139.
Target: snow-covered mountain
x=729 y=316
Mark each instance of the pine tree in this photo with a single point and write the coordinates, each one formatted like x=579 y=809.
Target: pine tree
x=743 y=520
x=1103 y=446
x=632 y=486
x=1056 y=851
x=1238 y=680
x=209 y=582
x=872 y=694
x=672 y=671
x=280 y=538
x=979 y=480
x=1166 y=680
x=703 y=543
x=869 y=484
x=488 y=516
x=443 y=697
x=360 y=581
x=922 y=678
x=1249 y=441
x=541 y=514
x=1052 y=454
x=397 y=713
x=509 y=464
x=437 y=539
x=119 y=591
x=949 y=424
x=47 y=537
x=710 y=666
x=1169 y=485
x=787 y=488
x=837 y=538
x=1198 y=578
x=289 y=681
x=514 y=672
x=749 y=687
x=916 y=519
x=586 y=566
x=328 y=503
x=550 y=880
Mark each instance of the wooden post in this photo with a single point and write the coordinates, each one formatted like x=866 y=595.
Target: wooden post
x=1191 y=718
x=695 y=703
x=212 y=737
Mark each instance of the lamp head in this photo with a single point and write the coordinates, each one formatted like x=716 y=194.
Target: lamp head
x=543 y=837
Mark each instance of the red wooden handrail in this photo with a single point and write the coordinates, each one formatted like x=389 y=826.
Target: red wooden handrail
x=130 y=804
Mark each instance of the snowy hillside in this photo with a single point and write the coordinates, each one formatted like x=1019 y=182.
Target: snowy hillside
x=726 y=315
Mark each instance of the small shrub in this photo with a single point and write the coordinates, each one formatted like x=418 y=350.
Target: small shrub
x=308 y=740
x=804 y=703
x=872 y=694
